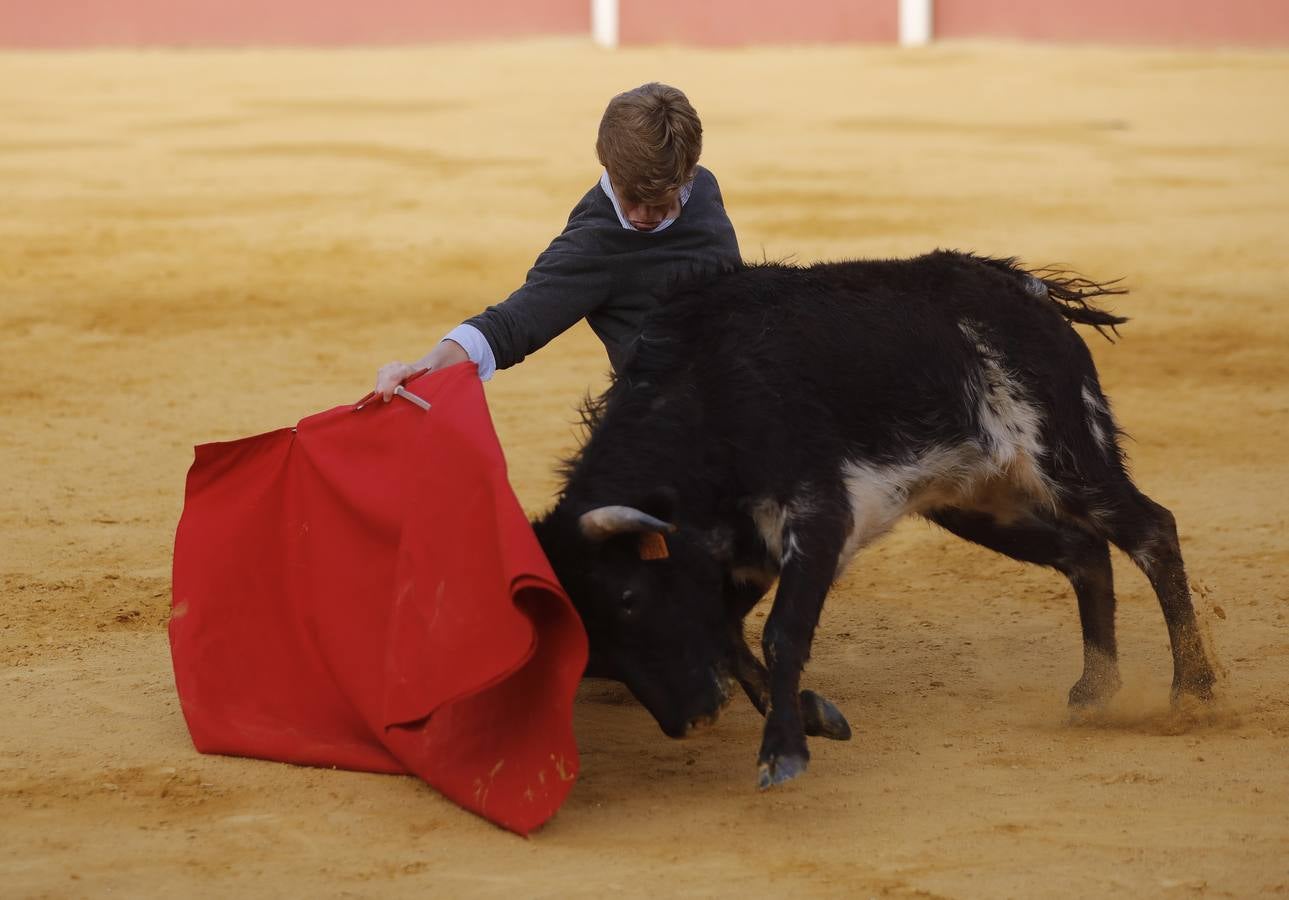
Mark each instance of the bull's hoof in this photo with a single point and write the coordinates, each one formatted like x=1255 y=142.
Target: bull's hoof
x=1092 y=691
x=822 y=719
x=778 y=769
x=1198 y=686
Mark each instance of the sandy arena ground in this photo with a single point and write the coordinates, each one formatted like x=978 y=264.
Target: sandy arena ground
x=198 y=246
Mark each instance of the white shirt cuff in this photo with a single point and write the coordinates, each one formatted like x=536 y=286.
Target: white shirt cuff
x=476 y=347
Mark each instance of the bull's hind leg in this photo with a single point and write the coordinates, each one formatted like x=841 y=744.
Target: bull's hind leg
x=1147 y=532
x=1083 y=557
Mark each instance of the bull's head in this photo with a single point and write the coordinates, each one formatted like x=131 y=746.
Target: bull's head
x=650 y=597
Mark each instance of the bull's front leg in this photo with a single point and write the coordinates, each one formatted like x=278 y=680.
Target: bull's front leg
x=811 y=551
x=820 y=717
x=818 y=714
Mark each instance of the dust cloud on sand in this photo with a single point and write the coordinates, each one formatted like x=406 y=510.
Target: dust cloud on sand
x=197 y=246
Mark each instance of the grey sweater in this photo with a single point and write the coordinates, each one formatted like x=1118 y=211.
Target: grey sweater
x=598 y=270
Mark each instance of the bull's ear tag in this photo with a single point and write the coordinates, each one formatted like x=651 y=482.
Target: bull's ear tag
x=653 y=546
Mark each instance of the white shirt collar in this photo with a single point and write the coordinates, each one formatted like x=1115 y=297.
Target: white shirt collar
x=607 y=186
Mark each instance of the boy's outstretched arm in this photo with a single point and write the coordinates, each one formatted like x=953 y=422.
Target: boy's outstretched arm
x=568 y=280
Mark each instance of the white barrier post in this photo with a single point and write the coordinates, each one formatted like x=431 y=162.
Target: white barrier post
x=604 y=23
x=915 y=23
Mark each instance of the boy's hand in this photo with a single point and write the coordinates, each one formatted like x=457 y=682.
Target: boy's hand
x=391 y=375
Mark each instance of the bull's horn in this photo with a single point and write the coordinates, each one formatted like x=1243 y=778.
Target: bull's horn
x=606 y=521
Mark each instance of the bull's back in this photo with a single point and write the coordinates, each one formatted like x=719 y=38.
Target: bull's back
x=882 y=352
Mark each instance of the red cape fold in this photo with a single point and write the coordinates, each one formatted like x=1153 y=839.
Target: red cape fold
x=364 y=591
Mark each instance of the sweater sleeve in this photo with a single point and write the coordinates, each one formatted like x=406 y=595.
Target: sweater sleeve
x=570 y=279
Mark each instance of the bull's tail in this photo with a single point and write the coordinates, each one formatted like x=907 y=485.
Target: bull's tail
x=1069 y=293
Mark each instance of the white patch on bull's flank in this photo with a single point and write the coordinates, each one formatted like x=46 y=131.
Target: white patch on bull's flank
x=964 y=476
x=997 y=472
x=1011 y=427
x=1097 y=411
x=880 y=495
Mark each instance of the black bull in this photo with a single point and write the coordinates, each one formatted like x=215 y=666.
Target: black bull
x=776 y=419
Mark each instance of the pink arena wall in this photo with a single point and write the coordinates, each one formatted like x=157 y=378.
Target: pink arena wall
x=1188 y=22
x=734 y=22
x=89 y=23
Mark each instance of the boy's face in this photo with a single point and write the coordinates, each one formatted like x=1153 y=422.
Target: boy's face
x=646 y=216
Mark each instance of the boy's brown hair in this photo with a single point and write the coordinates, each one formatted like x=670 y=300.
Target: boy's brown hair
x=650 y=139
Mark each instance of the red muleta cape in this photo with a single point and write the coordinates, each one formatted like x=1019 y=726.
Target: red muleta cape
x=364 y=591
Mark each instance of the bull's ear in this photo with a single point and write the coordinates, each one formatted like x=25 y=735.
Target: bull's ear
x=604 y=522
x=653 y=546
